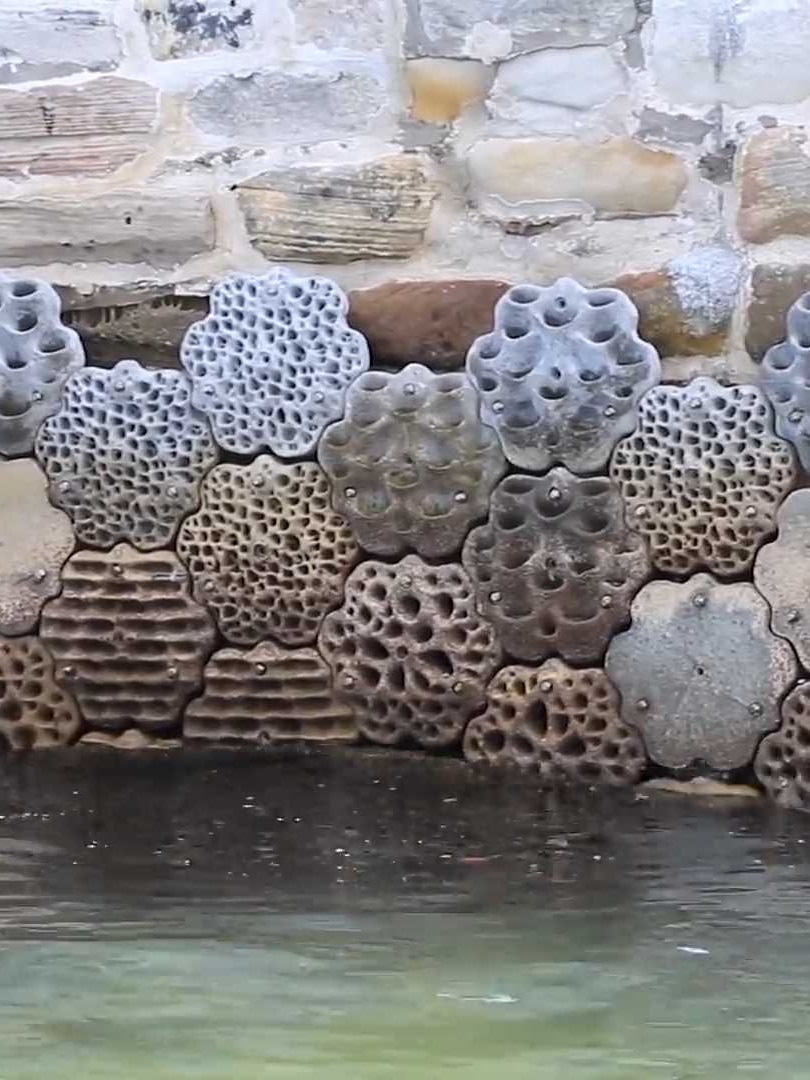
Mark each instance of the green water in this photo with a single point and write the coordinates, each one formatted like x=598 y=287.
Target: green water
x=232 y=919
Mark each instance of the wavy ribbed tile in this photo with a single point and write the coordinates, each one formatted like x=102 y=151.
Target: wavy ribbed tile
x=699 y=672
x=34 y=711
x=128 y=640
x=268 y=694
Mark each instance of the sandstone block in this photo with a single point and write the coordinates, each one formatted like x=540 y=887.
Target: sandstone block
x=338 y=214
x=774 y=186
x=288 y=106
x=430 y=322
x=90 y=128
x=185 y=29
x=327 y=23
x=161 y=224
x=774 y=289
x=40 y=39
x=441 y=89
x=527 y=182
x=737 y=53
x=490 y=29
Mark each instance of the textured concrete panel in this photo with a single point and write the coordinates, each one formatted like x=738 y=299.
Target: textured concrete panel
x=34 y=712
x=556 y=566
x=703 y=475
x=411 y=465
x=699 y=672
x=128 y=640
x=409 y=652
x=35 y=540
x=562 y=723
x=782 y=573
x=561 y=374
x=266 y=695
x=266 y=551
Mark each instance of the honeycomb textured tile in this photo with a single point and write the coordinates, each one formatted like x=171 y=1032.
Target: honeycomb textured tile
x=268 y=694
x=266 y=551
x=127 y=639
x=411 y=465
x=785 y=378
x=556 y=566
x=271 y=362
x=408 y=651
x=561 y=374
x=699 y=672
x=35 y=540
x=37 y=354
x=782 y=763
x=125 y=454
x=703 y=475
x=34 y=711
x=562 y=723
x=782 y=573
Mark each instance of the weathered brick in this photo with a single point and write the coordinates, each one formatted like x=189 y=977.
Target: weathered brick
x=774 y=186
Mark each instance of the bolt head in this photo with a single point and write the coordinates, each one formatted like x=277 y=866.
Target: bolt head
x=318 y=396
x=406 y=582
x=610 y=410
x=458 y=687
x=546 y=686
x=257 y=481
x=350 y=492
x=68 y=672
x=795 y=415
x=119 y=385
x=694 y=403
x=606 y=601
x=172 y=672
x=461 y=496
x=641 y=511
x=750 y=511
x=794 y=615
x=117 y=569
x=260 y=669
x=36 y=395
x=64 y=486
x=755 y=709
x=210 y=586
x=642 y=704
x=554 y=494
x=699 y=599
x=410 y=389
x=172 y=491
x=40 y=575
x=209 y=391
x=495 y=597
x=497 y=406
x=348 y=681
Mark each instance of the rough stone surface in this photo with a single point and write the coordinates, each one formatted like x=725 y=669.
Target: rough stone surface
x=785 y=378
x=528 y=182
x=686 y=308
x=40 y=39
x=774 y=186
x=774 y=288
x=189 y=27
x=491 y=29
x=671 y=127
x=411 y=465
x=782 y=763
x=271 y=363
x=550 y=90
x=125 y=454
x=128 y=640
x=699 y=672
x=35 y=540
x=703 y=475
x=782 y=573
x=561 y=374
x=428 y=322
x=330 y=23
x=288 y=106
x=340 y=213
x=266 y=552
x=409 y=652
x=441 y=89
x=266 y=695
x=91 y=128
x=160 y=224
x=34 y=712
x=740 y=54
x=37 y=355
x=560 y=722
x=555 y=567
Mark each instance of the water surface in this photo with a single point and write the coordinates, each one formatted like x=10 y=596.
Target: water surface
x=362 y=917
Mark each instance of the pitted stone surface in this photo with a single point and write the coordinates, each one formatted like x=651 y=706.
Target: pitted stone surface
x=265 y=695
x=561 y=374
x=703 y=475
x=782 y=573
x=409 y=652
x=125 y=454
x=35 y=540
x=699 y=672
x=34 y=711
x=128 y=640
x=555 y=567
x=785 y=378
x=37 y=354
x=561 y=722
x=271 y=363
x=411 y=466
x=782 y=763
x=266 y=552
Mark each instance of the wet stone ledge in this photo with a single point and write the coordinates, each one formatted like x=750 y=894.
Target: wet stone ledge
x=502 y=537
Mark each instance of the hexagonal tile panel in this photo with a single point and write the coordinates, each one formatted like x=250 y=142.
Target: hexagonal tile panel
x=782 y=763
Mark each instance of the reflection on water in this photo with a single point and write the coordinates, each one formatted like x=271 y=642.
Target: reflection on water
x=236 y=918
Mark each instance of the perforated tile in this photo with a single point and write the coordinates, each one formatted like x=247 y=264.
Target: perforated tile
x=34 y=712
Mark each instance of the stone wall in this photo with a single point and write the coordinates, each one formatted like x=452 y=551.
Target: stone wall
x=149 y=146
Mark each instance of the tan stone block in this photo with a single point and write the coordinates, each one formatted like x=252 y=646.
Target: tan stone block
x=337 y=214
x=774 y=186
x=441 y=89
x=773 y=290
